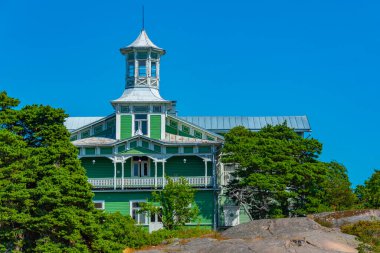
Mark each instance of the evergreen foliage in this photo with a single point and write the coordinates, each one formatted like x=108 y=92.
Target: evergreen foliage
x=279 y=173
x=369 y=193
x=177 y=206
x=45 y=199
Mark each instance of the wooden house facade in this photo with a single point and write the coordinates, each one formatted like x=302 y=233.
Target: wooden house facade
x=128 y=154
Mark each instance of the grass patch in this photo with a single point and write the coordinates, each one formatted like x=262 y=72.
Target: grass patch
x=324 y=222
x=368 y=232
x=166 y=236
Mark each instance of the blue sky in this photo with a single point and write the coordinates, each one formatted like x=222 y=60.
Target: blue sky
x=243 y=58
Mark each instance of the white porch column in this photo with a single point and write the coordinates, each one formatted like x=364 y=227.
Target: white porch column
x=163 y=174
x=122 y=174
x=155 y=174
x=114 y=174
x=205 y=173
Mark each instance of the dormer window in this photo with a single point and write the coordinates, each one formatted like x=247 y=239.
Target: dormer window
x=142 y=68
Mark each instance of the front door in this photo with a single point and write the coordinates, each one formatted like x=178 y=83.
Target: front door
x=231 y=215
x=155 y=223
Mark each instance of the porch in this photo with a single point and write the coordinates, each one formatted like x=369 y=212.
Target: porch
x=147 y=182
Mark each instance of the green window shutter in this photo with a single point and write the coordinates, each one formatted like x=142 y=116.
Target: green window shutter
x=210 y=138
x=133 y=144
x=197 y=134
x=145 y=144
x=173 y=124
x=98 y=129
x=157 y=148
x=171 y=150
x=155 y=127
x=121 y=148
x=106 y=151
x=204 y=149
x=85 y=134
x=125 y=126
x=90 y=151
x=188 y=150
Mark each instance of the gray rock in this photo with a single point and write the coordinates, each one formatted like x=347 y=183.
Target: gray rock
x=291 y=235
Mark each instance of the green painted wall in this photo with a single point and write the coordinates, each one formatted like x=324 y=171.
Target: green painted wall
x=194 y=166
x=106 y=151
x=155 y=127
x=103 y=167
x=243 y=216
x=120 y=202
x=188 y=150
x=89 y=151
x=204 y=149
x=125 y=126
x=171 y=150
x=205 y=202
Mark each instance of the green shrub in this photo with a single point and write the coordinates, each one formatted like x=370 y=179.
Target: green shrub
x=368 y=233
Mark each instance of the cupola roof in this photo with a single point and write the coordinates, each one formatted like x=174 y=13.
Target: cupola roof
x=142 y=42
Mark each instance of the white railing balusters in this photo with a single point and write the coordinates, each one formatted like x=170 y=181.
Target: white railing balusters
x=145 y=182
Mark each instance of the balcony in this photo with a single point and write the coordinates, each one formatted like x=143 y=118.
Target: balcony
x=146 y=182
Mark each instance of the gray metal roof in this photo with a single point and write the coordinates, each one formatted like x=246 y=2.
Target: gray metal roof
x=221 y=123
x=140 y=94
x=217 y=123
x=73 y=123
x=143 y=41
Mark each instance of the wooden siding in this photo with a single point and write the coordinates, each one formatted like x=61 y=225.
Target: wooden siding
x=89 y=151
x=188 y=150
x=106 y=151
x=204 y=149
x=171 y=150
x=103 y=167
x=125 y=126
x=171 y=130
x=155 y=127
x=205 y=202
x=120 y=202
x=194 y=166
x=157 y=149
x=145 y=144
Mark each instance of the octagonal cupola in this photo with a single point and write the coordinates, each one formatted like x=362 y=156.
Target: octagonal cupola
x=143 y=63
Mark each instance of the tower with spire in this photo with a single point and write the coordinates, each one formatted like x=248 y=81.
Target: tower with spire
x=141 y=107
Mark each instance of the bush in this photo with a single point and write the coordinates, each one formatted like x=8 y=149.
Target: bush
x=368 y=233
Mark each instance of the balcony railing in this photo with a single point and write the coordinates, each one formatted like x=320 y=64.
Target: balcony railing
x=145 y=182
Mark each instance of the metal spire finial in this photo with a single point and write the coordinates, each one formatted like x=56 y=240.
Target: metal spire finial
x=143 y=18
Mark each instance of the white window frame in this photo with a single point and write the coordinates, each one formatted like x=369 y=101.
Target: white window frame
x=133 y=168
x=102 y=202
x=131 y=208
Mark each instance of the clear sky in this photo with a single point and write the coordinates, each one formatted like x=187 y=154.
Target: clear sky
x=227 y=58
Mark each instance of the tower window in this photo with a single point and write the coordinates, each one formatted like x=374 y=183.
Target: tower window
x=142 y=55
x=141 y=124
x=154 y=56
x=131 y=56
x=154 y=69
x=142 y=68
x=124 y=109
x=157 y=108
x=131 y=69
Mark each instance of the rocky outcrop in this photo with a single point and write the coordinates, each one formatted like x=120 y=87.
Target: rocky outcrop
x=291 y=235
x=337 y=219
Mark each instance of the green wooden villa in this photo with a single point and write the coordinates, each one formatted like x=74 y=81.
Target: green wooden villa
x=128 y=153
